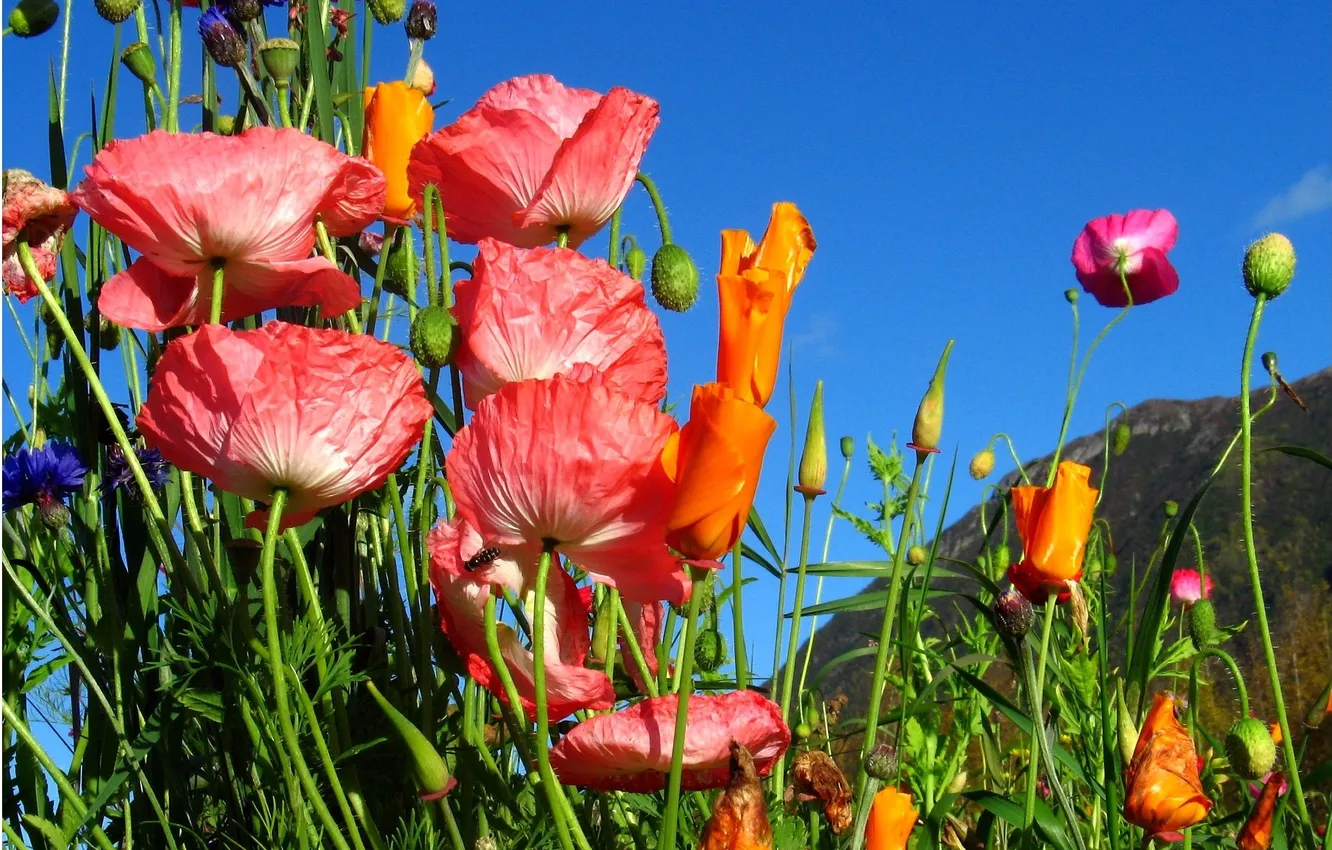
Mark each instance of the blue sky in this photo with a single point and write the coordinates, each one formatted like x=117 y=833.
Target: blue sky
x=946 y=154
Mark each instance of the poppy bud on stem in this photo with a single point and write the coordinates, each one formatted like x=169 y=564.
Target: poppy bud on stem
x=432 y=775
x=814 y=458
x=928 y=427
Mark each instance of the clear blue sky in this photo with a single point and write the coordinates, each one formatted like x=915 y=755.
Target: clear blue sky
x=946 y=154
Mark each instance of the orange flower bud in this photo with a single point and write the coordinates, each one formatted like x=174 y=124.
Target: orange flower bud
x=714 y=460
x=891 y=819
x=740 y=819
x=755 y=287
x=1053 y=523
x=1163 y=791
x=396 y=118
x=1256 y=834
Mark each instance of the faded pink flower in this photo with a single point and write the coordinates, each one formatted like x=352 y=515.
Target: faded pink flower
x=41 y=214
x=1186 y=586
x=188 y=202
x=1137 y=244
x=534 y=156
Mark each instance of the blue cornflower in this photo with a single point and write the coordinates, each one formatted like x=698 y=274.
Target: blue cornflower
x=118 y=472
x=43 y=475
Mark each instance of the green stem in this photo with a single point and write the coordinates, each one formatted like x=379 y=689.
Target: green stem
x=738 y=615
x=1217 y=652
x=635 y=651
x=672 y=813
x=793 y=645
x=613 y=252
x=1251 y=554
x=172 y=119
x=1043 y=741
x=1035 y=684
x=277 y=668
x=514 y=702
x=886 y=636
x=657 y=205
x=562 y=237
x=818 y=586
x=326 y=758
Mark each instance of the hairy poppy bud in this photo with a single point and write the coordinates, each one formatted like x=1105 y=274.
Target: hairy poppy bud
x=635 y=261
x=1119 y=440
x=422 y=20
x=916 y=555
x=226 y=125
x=434 y=336
x=1071 y=296
x=928 y=427
x=115 y=11
x=848 y=447
x=387 y=11
x=814 y=459
x=1013 y=614
x=432 y=775
x=33 y=17
x=108 y=335
x=1128 y=730
x=1269 y=266
x=881 y=764
x=1170 y=508
x=1250 y=748
x=710 y=650
x=982 y=464
x=1002 y=557
x=401 y=270
x=138 y=59
x=1202 y=624
x=674 y=278
x=223 y=43
x=280 y=56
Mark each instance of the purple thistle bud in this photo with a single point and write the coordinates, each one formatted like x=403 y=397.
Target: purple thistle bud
x=422 y=20
x=118 y=473
x=224 y=44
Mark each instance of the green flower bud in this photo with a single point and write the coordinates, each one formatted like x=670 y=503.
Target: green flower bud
x=226 y=125
x=881 y=764
x=108 y=335
x=1013 y=614
x=1202 y=624
x=1071 y=296
x=1170 y=508
x=138 y=59
x=1128 y=730
x=1269 y=266
x=1250 y=748
x=982 y=464
x=1002 y=558
x=674 y=278
x=1119 y=440
x=916 y=555
x=848 y=447
x=814 y=458
x=635 y=261
x=33 y=17
x=434 y=337
x=710 y=650
x=387 y=11
x=1320 y=708
x=281 y=57
x=928 y=427
x=432 y=775
x=1270 y=361
x=802 y=731
x=115 y=11
x=401 y=269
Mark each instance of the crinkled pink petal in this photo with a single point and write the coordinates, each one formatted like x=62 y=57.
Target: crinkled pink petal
x=558 y=106
x=461 y=595
x=595 y=168
x=324 y=413
x=1143 y=237
x=575 y=463
x=536 y=313
x=34 y=208
x=1186 y=586
x=186 y=201
x=630 y=750
x=16 y=280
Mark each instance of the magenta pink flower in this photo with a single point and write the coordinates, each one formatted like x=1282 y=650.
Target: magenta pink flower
x=462 y=596
x=1135 y=244
x=577 y=464
x=189 y=202
x=532 y=157
x=41 y=214
x=1186 y=587
x=541 y=312
x=630 y=750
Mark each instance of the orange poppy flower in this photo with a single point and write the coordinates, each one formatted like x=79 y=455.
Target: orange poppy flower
x=1164 y=792
x=1256 y=834
x=891 y=819
x=714 y=461
x=397 y=116
x=1053 y=523
x=755 y=287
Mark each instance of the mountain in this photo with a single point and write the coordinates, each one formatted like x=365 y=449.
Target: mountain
x=1174 y=446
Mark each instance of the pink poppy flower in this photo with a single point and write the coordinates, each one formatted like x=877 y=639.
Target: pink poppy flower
x=532 y=157
x=646 y=620
x=1186 y=587
x=41 y=214
x=575 y=463
x=324 y=413
x=540 y=312
x=1137 y=243
x=186 y=202
x=630 y=750
x=462 y=595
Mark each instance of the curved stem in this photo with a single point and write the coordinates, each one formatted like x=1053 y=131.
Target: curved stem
x=657 y=205
x=1217 y=652
x=738 y=616
x=1069 y=395
x=668 y=821
x=512 y=703
x=1012 y=451
x=1105 y=461
x=1251 y=554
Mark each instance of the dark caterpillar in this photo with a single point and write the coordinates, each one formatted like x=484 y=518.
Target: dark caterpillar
x=481 y=558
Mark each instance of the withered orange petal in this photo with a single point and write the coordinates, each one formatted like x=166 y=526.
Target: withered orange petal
x=787 y=245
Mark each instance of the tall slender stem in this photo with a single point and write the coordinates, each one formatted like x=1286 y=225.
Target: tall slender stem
x=657 y=206
x=672 y=813
x=738 y=616
x=818 y=586
x=1035 y=684
x=1041 y=742
x=793 y=645
x=1251 y=553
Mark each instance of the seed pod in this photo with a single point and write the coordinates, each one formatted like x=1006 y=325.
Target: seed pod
x=1013 y=614
x=116 y=11
x=434 y=337
x=982 y=464
x=674 y=278
x=33 y=17
x=881 y=764
x=1269 y=266
x=710 y=650
x=1250 y=748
